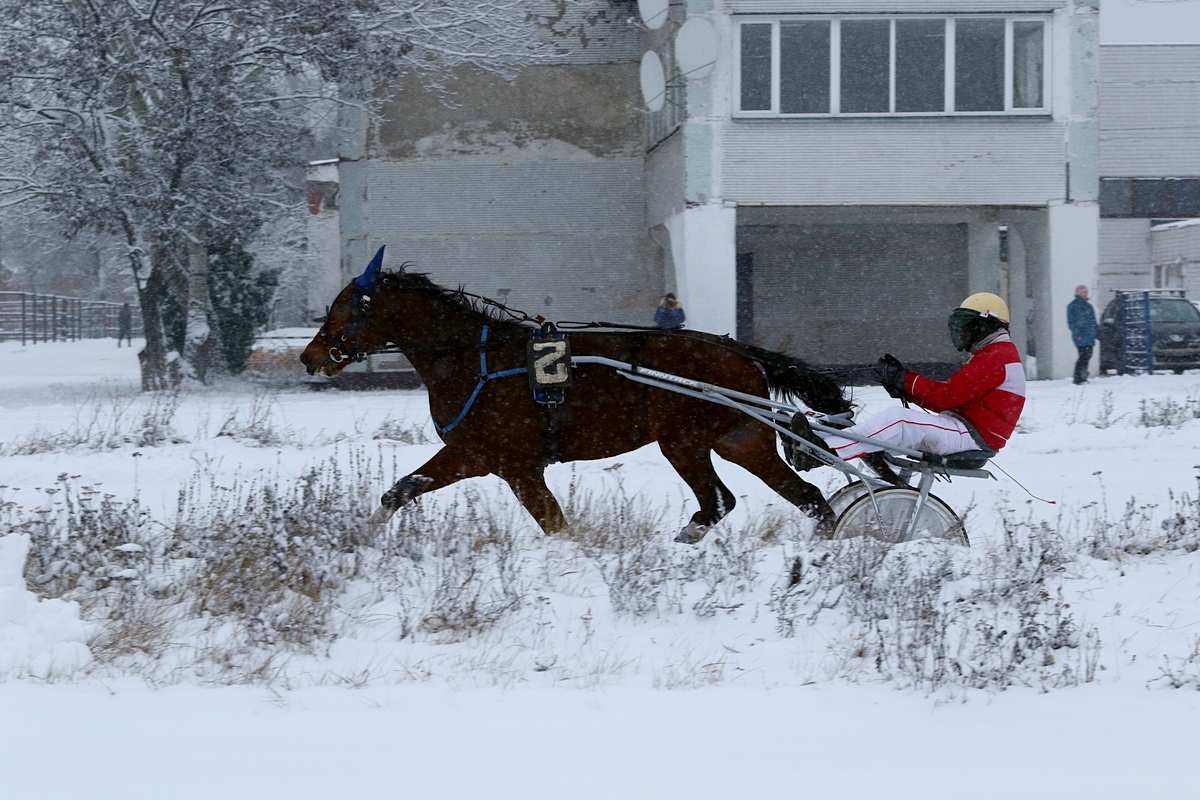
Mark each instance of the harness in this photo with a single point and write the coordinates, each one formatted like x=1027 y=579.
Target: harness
x=549 y=359
x=484 y=377
x=548 y=355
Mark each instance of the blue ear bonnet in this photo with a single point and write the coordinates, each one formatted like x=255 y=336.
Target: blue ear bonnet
x=365 y=284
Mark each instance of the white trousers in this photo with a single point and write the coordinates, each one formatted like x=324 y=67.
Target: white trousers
x=907 y=427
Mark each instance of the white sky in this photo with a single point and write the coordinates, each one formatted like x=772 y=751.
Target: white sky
x=1149 y=21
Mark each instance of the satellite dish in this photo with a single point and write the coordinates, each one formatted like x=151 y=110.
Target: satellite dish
x=654 y=81
x=696 y=48
x=653 y=13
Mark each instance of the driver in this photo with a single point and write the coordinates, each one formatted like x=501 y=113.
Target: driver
x=976 y=409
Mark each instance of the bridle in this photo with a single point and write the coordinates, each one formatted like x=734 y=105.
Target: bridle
x=352 y=332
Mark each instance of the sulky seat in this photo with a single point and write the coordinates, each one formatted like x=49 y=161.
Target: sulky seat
x=965 y=460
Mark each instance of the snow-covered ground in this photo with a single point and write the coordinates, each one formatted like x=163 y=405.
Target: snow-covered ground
x=189 y=648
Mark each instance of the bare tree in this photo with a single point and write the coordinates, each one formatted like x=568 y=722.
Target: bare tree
x=161 y=122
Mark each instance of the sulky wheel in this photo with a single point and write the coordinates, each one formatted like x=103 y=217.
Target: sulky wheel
x=895 y=506
x=845 y=496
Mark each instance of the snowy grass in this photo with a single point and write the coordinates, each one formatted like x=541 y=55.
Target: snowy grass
x=259 y=579
x=106 y=420
x=238 y=554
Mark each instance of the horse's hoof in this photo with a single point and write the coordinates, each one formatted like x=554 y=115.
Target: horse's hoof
x=381 y=516
x=692 y=533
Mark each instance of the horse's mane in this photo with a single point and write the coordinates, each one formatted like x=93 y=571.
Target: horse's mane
x=456 y=300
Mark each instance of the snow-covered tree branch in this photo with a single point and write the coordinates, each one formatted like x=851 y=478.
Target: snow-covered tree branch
x=172 y=124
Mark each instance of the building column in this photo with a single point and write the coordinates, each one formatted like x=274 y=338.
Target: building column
x=704 y=251
x=323 y=238
x=1018 y=301
x=1030 y=254
x=1074 y=255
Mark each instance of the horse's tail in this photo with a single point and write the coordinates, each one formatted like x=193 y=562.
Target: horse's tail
x=792 y=379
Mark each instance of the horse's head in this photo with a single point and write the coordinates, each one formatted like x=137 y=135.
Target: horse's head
x=349 y=332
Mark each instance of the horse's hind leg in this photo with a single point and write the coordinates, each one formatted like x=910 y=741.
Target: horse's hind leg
x=448 y=466
x=751 y=445
x=695 y=466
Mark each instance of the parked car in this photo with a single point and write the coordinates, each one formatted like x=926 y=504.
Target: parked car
x=1174 y=324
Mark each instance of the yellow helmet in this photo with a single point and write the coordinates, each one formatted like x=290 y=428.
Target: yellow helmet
x=979 y=316
x=987 y=305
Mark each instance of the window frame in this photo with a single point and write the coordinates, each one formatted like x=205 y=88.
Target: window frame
x=835 y=53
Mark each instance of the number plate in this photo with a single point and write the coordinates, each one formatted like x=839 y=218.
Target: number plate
x=549 y=364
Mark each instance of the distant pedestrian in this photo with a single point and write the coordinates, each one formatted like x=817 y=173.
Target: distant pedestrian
x=125 y=325
x=669 y=315
x=1081 y=319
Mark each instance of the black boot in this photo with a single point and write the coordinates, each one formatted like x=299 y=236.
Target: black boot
x=879 y=465
x=796 y=456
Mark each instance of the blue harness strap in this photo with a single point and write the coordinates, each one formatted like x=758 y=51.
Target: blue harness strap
x=484 y=377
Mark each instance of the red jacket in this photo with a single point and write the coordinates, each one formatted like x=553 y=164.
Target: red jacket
x=988 y=392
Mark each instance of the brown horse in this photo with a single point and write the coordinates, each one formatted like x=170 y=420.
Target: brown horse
x=472 y=359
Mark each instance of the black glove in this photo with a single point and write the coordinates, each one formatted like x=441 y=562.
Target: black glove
x=891 y=375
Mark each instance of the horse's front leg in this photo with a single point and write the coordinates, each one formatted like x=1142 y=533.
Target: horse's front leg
x=529 y=485
x=694 y=465
x=450 y=465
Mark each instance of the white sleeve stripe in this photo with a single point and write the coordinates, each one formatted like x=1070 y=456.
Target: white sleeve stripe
x=1014 y=379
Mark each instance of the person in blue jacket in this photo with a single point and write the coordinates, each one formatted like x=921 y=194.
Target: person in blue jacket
x=669 y=315
x=1081 y=319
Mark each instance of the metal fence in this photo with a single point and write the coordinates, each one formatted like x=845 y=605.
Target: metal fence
x=33 y=317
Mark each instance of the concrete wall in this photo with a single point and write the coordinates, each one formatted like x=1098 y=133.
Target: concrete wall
x=848 y=293
x=1125 y=258
x=702 y=251
x=564 y=239
x=1149 y=111
x=545 y=113
x=526 y=187
x=666 y=172
x=1131 y=249
x=1176 y=250
x=942 y=162
x=845 y=284
x=324 y=240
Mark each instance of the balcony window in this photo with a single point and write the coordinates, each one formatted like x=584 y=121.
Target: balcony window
x=920 y=65
x=870 y=66
x=803 y=67
x=756 y=66
x=1029 y=54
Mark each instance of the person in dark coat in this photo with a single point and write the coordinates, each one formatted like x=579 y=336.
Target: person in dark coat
x=669 y=315
x=125 y=325
x=1081 y=319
